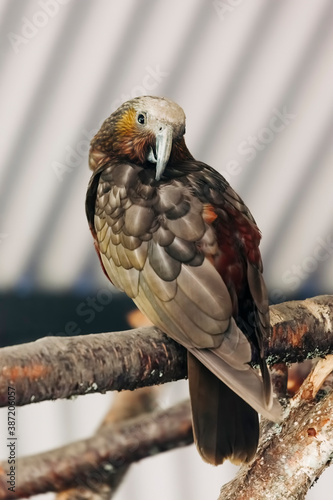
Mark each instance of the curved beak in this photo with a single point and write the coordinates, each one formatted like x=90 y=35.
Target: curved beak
x=163 y=149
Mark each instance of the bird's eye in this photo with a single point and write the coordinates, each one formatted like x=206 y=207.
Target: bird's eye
x=141 y=118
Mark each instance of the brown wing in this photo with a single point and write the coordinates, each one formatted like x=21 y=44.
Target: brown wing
x=156 y=245
x=238 y=260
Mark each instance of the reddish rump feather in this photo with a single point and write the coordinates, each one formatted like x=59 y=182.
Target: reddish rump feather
x=230 y=265
x=238 y=242
x=249 y=235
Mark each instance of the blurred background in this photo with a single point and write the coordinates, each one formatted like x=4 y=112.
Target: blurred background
x=255 y=80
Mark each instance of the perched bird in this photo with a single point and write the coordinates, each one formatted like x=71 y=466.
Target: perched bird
x=172 y=234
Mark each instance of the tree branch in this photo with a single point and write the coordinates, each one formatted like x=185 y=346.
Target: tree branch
x=301 y=329
x=125 y=405
x=60 y=367
x=291 y=456
x=94 y=460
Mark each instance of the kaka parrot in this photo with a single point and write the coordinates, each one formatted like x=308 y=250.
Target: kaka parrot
x=171 y=233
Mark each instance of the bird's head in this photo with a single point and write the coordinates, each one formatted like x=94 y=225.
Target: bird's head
x=145 y=130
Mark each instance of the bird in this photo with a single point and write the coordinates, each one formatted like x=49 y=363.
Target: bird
x=173 y=235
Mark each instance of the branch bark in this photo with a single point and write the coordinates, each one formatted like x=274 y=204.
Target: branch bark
x=61 y=367
x=89 y=462
x=301 y=329
x=291 y=456
x=125 y=405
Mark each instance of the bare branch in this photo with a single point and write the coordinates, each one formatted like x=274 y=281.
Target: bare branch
x=293 y=455
x=301 y=329
x=60 y=367
x=94 y=460
x=125 y=405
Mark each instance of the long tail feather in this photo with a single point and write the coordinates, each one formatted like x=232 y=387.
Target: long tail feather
x=224 y=425
x=230 y=363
